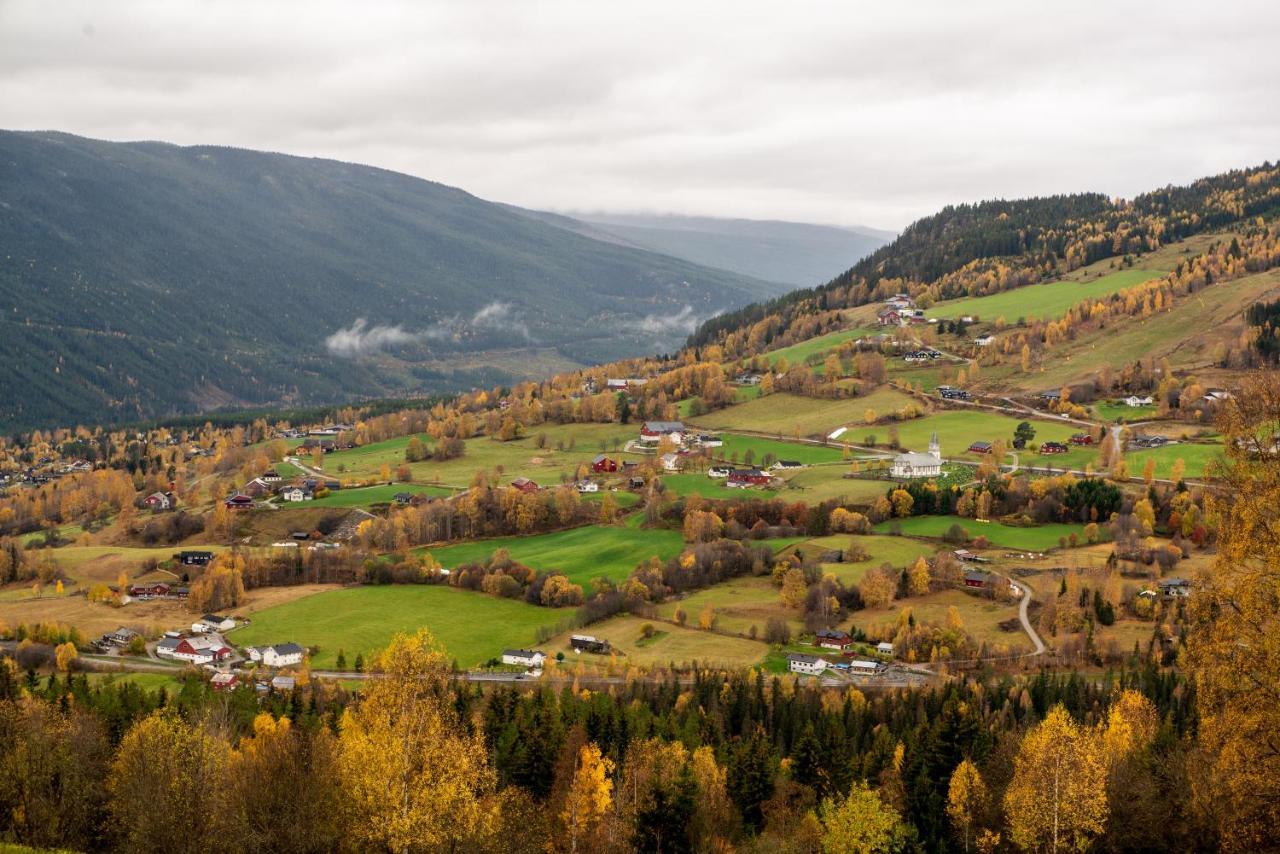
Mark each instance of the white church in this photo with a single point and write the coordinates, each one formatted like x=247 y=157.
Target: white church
x=920 y=465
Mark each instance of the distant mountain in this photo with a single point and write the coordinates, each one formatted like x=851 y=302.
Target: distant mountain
x=146 y=279
x=794 y=253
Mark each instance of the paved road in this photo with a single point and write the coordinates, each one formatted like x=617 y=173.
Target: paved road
x=1023 y=606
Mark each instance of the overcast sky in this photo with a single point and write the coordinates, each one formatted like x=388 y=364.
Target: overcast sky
x=836 y=112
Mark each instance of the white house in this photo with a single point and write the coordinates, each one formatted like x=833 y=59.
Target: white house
x=652 y=432
x=1135 y=401
x=523 y=657
x=920 y=465
x=719 y=471
x=213 y=623
x=671 y=462
x=984 y=340
x=786 y=465
x=809 y=665
x=295 y=493
x=885 y=648
x=585 y=486
x=283 y=683
x=863 y=666
x=279 y=655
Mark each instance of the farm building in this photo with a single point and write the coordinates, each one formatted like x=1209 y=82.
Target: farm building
x=884 y=648
x=1081 y=439
x=296 y=493
x=1175 y=588
x=585 y=486
x=195 y=558
x=213 y=623
x=160 y=501
x=201 y=650
x=602 y=463
x=270 y=476
x=977 y=580
x=864 y=667
x=1053 y=448
x=586 y=643
x=122 y=636
x=223 y=681
x=719 y=471
x=984 y=340
x=784 y=465
x=279 y=655
x=708 y=440
x=809 y=665
x=1134 y=401
x=671 y=462
x=652 y=432
x=743 y=478
x=523 y=657
x=239 y=501
x=525 y=485
x=980 y=448
x=829 y=639
x=283 y=683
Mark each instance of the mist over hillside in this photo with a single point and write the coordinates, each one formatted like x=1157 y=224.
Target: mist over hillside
x=143 y=279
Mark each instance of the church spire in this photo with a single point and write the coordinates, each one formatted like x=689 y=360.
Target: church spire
x=935 y=449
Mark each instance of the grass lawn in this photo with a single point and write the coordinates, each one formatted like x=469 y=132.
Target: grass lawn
x=1194 y=456
x=287 y=469
x=1040 y=538
x=472 y=627
x=581 y=553
x=677 y=645
x=781 y=450
x=810 y=416
x=982 y=617
x=898 y=551
x=382 y=494
x=742 y=394
x=1044 y=302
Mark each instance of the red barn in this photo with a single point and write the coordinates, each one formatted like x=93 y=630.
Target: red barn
x=749 y=477
x=239 y=501
x=1082 y=439
x=525 y=485
x=602 y=463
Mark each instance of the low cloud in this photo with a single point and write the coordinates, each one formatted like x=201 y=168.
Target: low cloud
x=663 y=324
x=499 y=316
x=360 y=339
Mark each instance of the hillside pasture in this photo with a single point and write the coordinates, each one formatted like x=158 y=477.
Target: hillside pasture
x=1047 y=301
x=1040 y=538
x=821 y=483
x=472 y=627
x=801 y=352
x=957 y=429
x=981 y=617
x=788 y=414
x=738 y=604
x=683 y=485
x=581 y=554
x=672 y=645
x=1196 y=457
x=384 y=493
x=736 y=447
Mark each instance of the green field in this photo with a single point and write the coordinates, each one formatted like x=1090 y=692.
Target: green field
x=797 y=354
x=788 y=413
x=708 y=487
x=382 y=494
x=1195 y=457
x=1110 y=410
x=742 y=394
x=781 y=450
x=739 y=604
x=1043 y=302
x=957 y=429
x=581 y=553
x=820 y=483
x=672 y=644
x=1040 y=538
x=472 y=627
x=982 y=617
x=520 y=457
x=146 y=681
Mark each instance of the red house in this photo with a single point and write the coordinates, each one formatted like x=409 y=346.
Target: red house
x=239 y=501
x=155 y=590
x=1053 y=448
x=601 y=463
x=828 y=639
x=525 y=485
x=1082 y=439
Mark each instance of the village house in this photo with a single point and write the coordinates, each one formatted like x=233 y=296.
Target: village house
x=160 y=501
x=671 y=462
x=270 y=476
x=831 y=639
x=121 y=636
x=952 y=393
x=279 y=655
x=1081 y=439
x=601 y=463
x=884 y=648
x=587 y=643
x=1134 y=401
x=719 y=471
x=213 y=623
x=256 y=488
x=1217 y=395
x=784 y=465
x=239 y=501
x=296 y=493
x=523 y=657
x=749 y=379
x=1175 y=588
x=977 y=580
x=223 y=681
x=1052 y=448
x=653 y=432
x=980 y=448
x=525 y=485
x=984 y=340
x=863 y=667
x=808 y=665
x=283 y=683
x=586 y=486
x=706 y=440
x=195 y=558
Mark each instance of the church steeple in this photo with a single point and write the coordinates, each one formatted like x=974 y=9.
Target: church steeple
x=935 y=449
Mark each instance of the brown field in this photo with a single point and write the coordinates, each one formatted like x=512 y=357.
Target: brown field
x=739 y=604
x=981 y=617
x=161 y=615
x=681 y=646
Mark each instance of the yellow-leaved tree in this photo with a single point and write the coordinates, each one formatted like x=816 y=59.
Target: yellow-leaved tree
x=590 y=797
x=860 y=824
x=413 y=777
x=1057 y=800
x=966 y=800
x=1232 y=649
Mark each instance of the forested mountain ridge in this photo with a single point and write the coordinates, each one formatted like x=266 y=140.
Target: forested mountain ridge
x=146 y=279
x=974 y=249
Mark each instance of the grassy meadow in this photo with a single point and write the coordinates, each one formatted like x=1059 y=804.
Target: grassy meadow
x=366 y=496
x=472 y=627
x=1042 y=302
x=1039 y=538
x=788 y=414
x=1196 y=458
